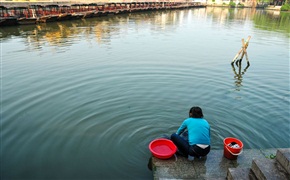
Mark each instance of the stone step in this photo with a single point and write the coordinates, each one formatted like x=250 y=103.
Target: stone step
x=213 y=167
x=240 y=174
x=283 y=157
x=269 y=169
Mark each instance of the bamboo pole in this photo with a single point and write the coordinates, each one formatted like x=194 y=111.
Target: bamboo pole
x=243 y=51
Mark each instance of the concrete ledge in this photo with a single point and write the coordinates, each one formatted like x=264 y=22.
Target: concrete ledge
x=214 y=166
x=283 y=157
x=239 y=173
x=268 y=169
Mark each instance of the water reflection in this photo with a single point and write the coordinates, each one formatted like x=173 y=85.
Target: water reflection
x=102 y=29
x=239 y=73
x=272 y=21
x=58 y=33
x=223 y=15
x=100 y=108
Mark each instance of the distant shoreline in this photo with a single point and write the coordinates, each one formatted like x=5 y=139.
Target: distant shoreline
x=68 y=2
x=21 y=3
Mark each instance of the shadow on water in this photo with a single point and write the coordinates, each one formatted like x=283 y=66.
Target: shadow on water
x=150 y=164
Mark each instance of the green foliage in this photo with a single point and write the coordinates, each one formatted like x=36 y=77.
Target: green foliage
x=285 y=7
x=272 y=156
x=240 y=5
x=264 y=1
x=213 y=1
x=232 y=4
x=271 y=22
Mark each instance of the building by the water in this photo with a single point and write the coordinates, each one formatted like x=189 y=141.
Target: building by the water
x=249 y=3
x=271 y=4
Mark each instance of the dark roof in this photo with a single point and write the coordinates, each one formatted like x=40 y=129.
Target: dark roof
x=52 y=5
x=3 y=7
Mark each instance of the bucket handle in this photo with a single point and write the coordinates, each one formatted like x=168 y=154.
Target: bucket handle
x=234 y=153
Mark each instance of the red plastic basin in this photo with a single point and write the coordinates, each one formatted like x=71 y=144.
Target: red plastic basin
x=162 y=148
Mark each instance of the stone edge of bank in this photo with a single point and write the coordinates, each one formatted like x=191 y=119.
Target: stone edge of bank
x=214 y=166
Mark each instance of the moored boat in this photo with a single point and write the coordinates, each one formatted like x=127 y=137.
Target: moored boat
x=64 y=13
x=83 y=10
x=47 y=13
x=111 y=8
x=6 y=18
x=124 y=7
x=51 y=12
x=25 y=15
x=144 y=6
x=132 y=7
x=8 y=21
x=94 y=7
x=102 y=10
x=44 y=14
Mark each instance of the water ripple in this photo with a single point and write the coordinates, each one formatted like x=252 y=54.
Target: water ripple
x=84 y=99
